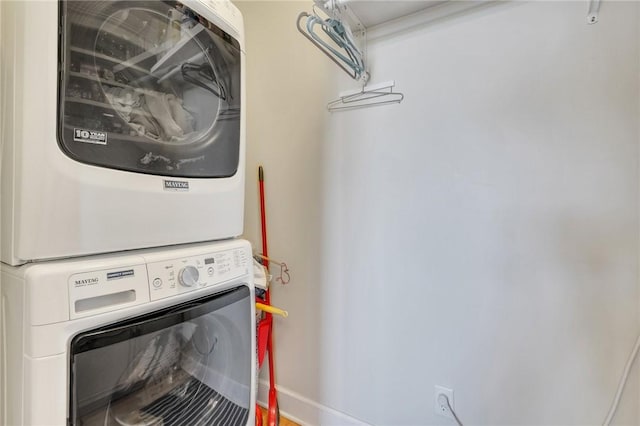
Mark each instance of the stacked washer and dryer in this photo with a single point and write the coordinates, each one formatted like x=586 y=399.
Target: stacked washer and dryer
x=126 y=297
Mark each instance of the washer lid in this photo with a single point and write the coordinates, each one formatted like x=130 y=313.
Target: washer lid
x=187 y=362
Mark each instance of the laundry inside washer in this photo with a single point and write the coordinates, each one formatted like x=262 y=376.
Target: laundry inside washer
x=132 y=119
x=186 y=366
x=151 y=87
x=146 y=337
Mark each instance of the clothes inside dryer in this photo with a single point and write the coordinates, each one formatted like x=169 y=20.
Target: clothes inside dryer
x=190 y=366
x=157 y=115
x=149 y=87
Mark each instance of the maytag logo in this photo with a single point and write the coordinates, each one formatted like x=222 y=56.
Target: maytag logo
x=87 y=281
x=176 y=185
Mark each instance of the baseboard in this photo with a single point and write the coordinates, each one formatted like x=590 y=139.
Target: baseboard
x=304 y=411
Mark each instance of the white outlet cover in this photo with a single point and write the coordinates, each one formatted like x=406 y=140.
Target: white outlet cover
x=437 y=407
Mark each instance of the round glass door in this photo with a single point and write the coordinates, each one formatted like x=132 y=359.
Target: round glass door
x=149 y=87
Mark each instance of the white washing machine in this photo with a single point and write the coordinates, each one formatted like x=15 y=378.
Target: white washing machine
x=123 y=125
x=150 y=337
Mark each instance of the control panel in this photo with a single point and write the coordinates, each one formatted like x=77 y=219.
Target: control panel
x=170 y=277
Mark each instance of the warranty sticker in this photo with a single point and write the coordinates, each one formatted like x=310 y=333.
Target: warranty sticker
x=89 y=136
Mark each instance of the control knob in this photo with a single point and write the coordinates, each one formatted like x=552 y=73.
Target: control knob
x=188 y=276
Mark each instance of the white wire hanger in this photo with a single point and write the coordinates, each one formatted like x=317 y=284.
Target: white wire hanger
x=368 y=96
x=337 y=41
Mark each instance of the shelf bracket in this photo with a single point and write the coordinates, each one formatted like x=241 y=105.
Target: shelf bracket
x=594 y=10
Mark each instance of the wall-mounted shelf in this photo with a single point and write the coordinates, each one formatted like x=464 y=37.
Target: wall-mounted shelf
x=385 y=18
x=372 y=13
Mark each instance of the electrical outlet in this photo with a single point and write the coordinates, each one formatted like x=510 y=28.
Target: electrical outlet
x=440 y=406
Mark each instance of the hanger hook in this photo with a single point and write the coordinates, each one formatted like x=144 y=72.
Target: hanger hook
x=284 y=277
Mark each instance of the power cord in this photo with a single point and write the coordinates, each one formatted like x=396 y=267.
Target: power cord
x=455 y=416
x=621 y=385
x=614 y=405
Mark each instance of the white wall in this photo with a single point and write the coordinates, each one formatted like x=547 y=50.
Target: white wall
x=286 y=123
x=482 y=235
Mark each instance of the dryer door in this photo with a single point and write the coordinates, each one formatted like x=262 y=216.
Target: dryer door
x=185 y=366
x=150 y=87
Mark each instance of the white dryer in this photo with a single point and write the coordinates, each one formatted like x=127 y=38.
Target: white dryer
x=163 y=336
x=122 y=125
